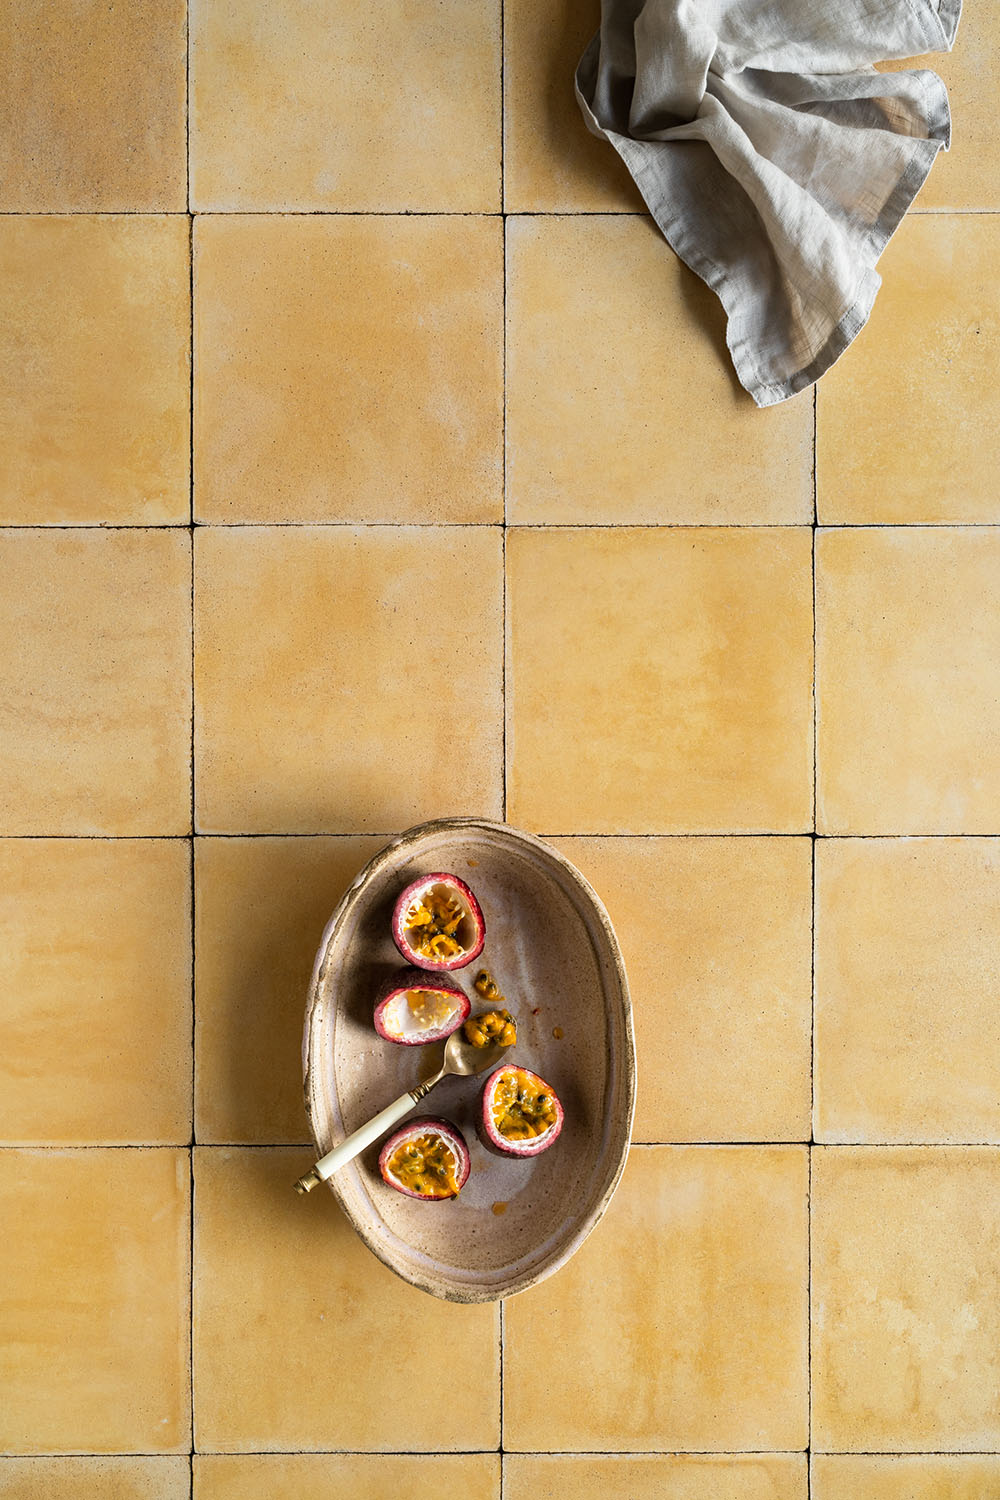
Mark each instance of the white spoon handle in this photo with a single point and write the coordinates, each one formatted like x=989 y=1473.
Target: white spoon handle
x=356 y=1143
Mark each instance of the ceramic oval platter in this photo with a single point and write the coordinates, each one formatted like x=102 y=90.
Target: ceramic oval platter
x=551 y=948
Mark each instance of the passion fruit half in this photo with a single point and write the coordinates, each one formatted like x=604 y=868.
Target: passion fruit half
x=416 y=1006
x=521 y=1114
x=427 y=1158
x=437 y=923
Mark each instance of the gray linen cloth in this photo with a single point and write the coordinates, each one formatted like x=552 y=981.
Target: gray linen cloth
x=774 y=158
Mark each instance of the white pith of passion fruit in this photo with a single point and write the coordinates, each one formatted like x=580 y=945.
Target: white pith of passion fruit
x=437 y=923
x=427 y=1159
x=520 y=1114
x=416 y=1006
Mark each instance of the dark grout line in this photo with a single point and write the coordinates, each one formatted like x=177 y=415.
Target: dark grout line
x=812 y=949
x=503 y=115
x=503 y=440
x=812 y=1001
x=755 y=833
x=742 y=1144
x=504 y=651
x=809 y=1306
x=355 y=213
x=439 y=1453
x=191 y=1147
x=396 y=213
x=812 y=1143
x=98 y=526
x=904 y=526
x=90 y=213
x=815 y=835
x=805 y=833
x=191 y=380
x=303 y=1145
x=356 y=525
x=957 y=213
x=432 y=1454
x=362 y=833
x=41 y=1456
x=191 y=529
x=428 y=1453
x=679 y=1145
x=900 y=526
x=367 y=833
x=503 y=679
x=815 y=481
x=96 y=1146
x=191 y=1301
x=812 y=915
x=820 y=1145
x=815 y=694
x=321 y=524
x=187 y=106
x=502 y=1431
x=664 y=1452
x=198 y=1145
x=812 y=944
x=99 y=838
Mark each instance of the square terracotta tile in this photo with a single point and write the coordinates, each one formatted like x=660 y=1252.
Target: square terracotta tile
x=253 y=975
x=310 y=645
x=967 y=176
x=908 y=423
x=94 y=1262
x=681 y=1323
x=302 y=1340
x=92 y=115
x=717 y=940
x=94 y=334
x=907 y=652
x=95 y=679
x=347 y=1476
x=348 y=369
x=650 y=426
x=660 y=681
x=95 y=991
x=95 y=1478
x=906 y=1319
x=907 y=937
x=347 y=111
x=646 y=1476
x=552 y=163
x=905 y=1476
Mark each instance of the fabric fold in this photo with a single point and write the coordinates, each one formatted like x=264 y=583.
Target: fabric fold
x=774 y=158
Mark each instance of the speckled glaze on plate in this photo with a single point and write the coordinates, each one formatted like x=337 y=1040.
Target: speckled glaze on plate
x=551 y=948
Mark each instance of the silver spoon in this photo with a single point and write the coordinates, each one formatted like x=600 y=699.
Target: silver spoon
x=460 y=1057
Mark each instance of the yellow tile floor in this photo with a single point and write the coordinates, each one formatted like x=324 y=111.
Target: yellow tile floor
x=367 y=458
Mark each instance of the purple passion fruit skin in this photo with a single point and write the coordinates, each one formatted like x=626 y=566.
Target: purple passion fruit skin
x=416 y=1006
x=426 y=1159
x=437 y=923
x=520 y=1114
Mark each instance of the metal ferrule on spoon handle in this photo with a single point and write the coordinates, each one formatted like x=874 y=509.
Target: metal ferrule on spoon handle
x=366 y=1136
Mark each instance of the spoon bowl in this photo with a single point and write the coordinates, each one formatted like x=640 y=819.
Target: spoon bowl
x=459 y=1059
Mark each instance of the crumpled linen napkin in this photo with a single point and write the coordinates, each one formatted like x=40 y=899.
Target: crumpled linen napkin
x=774 y=158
